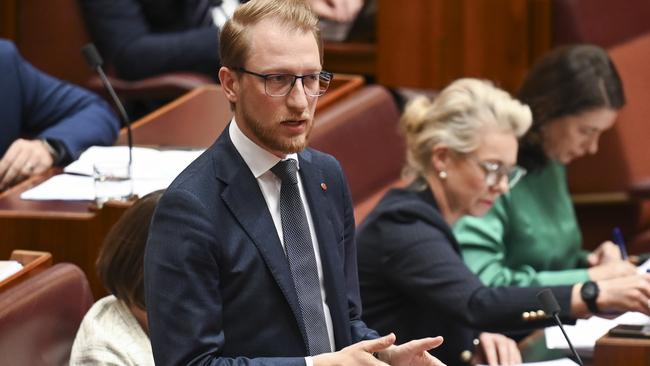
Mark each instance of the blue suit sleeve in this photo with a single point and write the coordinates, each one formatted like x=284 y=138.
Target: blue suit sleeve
x=181 y=251
x=57 y=110
x=139 y=49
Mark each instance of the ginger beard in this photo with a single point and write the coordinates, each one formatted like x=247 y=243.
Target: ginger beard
x=273 y=135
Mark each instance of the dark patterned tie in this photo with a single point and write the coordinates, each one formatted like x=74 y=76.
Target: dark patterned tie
x=301 y=257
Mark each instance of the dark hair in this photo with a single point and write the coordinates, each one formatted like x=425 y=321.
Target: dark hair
x=567 y=81
x=120 y=261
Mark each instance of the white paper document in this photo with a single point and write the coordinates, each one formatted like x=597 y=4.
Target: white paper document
x=643 y=268
x=8 y=268
x=151 y=170
x=560 y=362
x=586 y=332
x=147 y=163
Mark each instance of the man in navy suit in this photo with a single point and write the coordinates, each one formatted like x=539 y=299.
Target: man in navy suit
x=144 y=38
x=45 y=121
x=220 y=281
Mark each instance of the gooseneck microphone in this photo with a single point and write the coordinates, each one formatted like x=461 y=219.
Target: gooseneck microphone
x=95 y=62
x=550 y=306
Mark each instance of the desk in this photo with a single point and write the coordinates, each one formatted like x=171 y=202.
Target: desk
x=609 y=351
x=33 y=262
x=622 y=351
x=71 y=230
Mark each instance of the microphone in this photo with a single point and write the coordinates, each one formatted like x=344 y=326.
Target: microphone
x=94 y=60
x=550 y=306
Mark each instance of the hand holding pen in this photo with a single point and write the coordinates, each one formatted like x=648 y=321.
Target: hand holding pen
x=618 y=240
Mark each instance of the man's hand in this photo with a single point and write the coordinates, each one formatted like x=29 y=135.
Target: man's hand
x=413 y=353
x=497 y=349
x=337 y=10
x=357 y=354
x=606 y=252
x=23 y=159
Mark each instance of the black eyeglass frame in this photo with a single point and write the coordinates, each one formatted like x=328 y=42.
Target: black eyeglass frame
x=322 y=75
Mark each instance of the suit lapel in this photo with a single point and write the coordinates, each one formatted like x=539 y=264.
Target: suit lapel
x=246 y=202
x=317 y=195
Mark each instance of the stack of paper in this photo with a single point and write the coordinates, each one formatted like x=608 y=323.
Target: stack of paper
x=8 y=268
x=151 y=170
x=586 y=332
x=560 y=362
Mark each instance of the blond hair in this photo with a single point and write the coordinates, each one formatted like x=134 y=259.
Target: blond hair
x=235 y=35
x=457 y=118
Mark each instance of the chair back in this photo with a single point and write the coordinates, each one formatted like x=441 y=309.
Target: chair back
x=39 y=317
x=361 y=131
x=602 y=22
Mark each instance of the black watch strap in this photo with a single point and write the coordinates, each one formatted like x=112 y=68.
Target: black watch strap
x=589 y=293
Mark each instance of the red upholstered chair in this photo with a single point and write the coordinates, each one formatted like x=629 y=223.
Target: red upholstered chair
x=361 y=131
x=602 y=22
x=40 y=316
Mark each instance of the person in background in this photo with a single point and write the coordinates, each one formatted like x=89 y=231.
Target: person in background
x=115 y=329
x=251 y=255
x=45 y=121
x=531 y=236
x=145 y=38
x=461 y=156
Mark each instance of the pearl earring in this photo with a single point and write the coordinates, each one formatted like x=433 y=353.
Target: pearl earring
x=442 y=174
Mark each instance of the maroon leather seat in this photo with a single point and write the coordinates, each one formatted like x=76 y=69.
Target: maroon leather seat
x=39 y=317
x=602 y=22
x=361 y=131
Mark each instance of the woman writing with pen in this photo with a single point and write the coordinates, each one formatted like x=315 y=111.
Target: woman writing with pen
x=531 y=236
x=461 y=156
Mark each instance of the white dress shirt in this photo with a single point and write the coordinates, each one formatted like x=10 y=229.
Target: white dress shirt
x=260 y=162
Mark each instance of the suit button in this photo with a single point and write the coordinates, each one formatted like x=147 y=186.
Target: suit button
x=466 y=356
x=541 y=314
x=525 y=316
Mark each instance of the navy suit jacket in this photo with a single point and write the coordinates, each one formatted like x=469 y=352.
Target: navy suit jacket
x=143 y=38
x=414 y=282
x=35 y=105
x=217 y=282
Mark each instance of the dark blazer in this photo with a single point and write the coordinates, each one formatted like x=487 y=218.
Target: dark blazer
x=143 y=38
x=217 y=282
x=414 y=282
x=35 y=105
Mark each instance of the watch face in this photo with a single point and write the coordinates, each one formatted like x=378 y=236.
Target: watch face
x=589 y=291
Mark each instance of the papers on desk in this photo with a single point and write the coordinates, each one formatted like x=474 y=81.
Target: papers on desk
x=643 y=268
x=151 y=170
x=8 y=268
x=586 y=332
x=560 y=362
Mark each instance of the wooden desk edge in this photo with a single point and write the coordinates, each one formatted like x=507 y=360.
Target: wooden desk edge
x=33 y=262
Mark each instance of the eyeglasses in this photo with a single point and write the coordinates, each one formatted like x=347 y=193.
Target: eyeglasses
x=279 y=85
x=494 y=172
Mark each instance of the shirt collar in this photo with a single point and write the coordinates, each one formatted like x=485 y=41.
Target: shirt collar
x=259 y=161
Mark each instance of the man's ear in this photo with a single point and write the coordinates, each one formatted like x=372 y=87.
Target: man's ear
x=440 y=155
x=229 y=83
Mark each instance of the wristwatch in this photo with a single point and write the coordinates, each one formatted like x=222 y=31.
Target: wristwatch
x=589 y=293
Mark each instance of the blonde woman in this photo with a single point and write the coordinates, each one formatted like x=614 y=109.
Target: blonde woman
x=462 y=151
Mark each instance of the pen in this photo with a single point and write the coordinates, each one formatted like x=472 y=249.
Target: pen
x=618 y=239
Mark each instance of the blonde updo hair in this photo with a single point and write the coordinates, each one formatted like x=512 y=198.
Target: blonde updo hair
x=457 y=118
